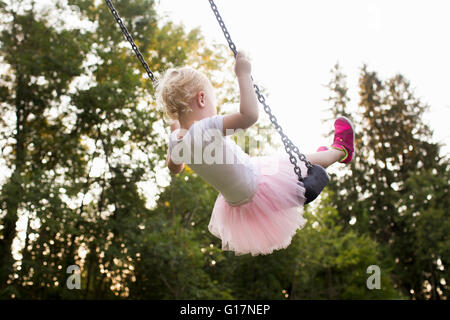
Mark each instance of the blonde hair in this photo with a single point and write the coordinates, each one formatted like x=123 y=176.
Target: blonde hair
x=178 y=88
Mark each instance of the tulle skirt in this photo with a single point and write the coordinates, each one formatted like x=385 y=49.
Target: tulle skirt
x=271 y=218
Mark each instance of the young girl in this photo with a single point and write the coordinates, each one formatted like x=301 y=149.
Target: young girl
x=258 y=209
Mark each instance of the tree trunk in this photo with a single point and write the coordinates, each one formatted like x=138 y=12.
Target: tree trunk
x=14 y=190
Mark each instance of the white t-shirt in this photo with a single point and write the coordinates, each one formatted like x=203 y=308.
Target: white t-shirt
x=216 y=158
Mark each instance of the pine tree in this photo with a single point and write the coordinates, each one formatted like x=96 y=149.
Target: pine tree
x=393 y=145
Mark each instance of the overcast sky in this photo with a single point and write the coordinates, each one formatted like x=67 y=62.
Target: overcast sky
x=293 y=44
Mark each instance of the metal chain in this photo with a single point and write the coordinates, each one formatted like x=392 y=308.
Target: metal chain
x=288 y=145
x=131 y=41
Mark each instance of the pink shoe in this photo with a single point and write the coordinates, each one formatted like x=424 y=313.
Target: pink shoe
x=344 y=138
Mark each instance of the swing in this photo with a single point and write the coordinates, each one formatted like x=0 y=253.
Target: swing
x=317 y=177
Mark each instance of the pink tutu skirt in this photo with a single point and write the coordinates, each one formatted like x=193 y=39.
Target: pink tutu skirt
x=271 y=218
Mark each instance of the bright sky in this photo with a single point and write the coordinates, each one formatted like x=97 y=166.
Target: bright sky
x=293 y=44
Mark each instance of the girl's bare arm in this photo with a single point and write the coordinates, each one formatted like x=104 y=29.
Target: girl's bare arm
x=173 y=167
x=248 y=111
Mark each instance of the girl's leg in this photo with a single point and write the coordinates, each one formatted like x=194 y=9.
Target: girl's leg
x=325 y=158
x=342 y=148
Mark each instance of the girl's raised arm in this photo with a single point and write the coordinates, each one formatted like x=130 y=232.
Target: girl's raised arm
x=248 y=112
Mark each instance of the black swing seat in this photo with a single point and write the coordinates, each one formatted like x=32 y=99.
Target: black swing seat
x=314 y=183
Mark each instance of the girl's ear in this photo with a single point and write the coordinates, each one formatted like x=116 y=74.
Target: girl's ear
x=201 y=99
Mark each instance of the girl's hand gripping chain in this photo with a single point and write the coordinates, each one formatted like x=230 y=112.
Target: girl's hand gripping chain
x=242 y=66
